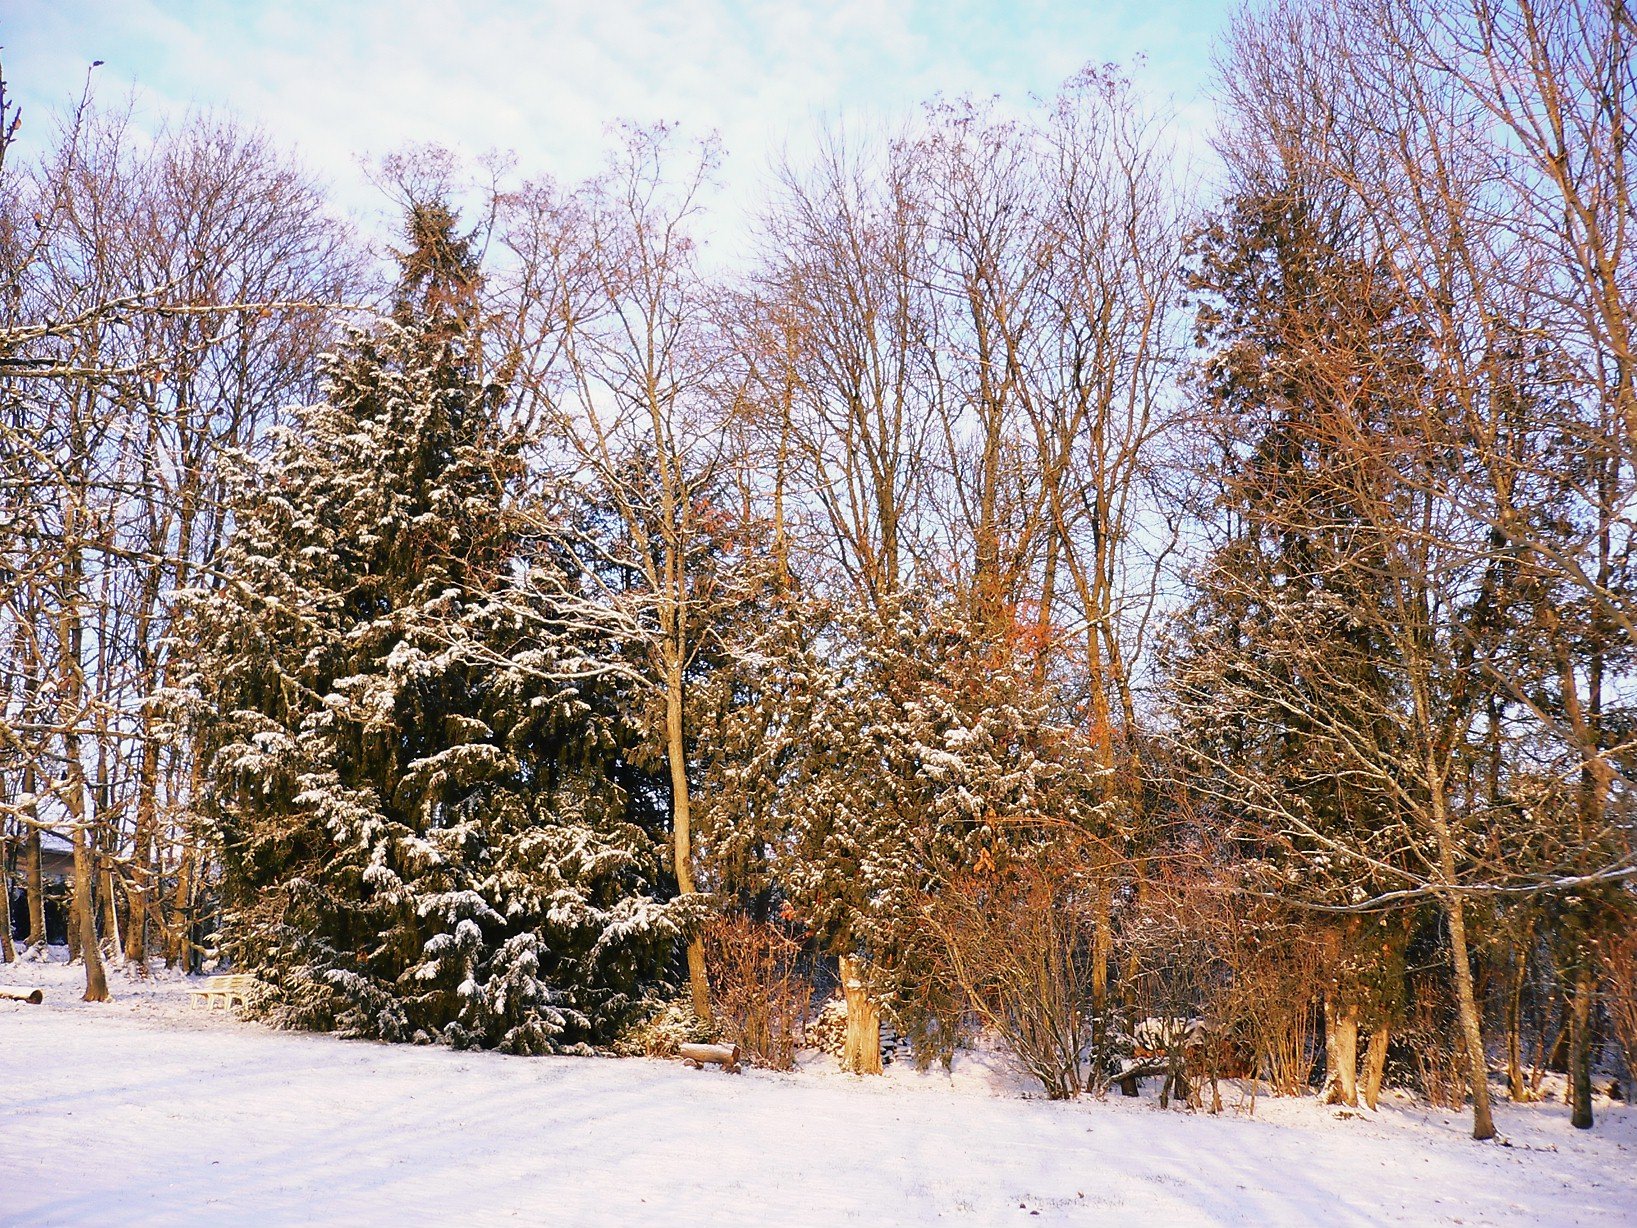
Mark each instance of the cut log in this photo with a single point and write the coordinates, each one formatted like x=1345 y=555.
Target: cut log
x=17 y=993
x=697 y=1056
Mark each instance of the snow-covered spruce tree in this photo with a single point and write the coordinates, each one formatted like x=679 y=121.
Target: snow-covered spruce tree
x=747 y=700
x=428 y=828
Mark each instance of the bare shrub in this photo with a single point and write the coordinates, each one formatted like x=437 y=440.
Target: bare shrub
x=1438 y=1063
x=1276 y=969
x=1200 y=949
x=1168 y=990
x=759 y=992
x=1620 y=996
x=1018 y=942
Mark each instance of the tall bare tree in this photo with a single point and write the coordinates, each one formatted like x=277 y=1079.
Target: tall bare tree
x=616 y=354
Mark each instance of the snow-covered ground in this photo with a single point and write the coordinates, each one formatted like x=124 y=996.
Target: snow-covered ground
x=151 y=1111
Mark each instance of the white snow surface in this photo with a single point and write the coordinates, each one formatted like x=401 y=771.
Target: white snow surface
x=149 y=1110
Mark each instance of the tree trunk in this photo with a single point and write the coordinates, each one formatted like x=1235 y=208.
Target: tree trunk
x=862 y=1054
x=33 y=876
x=720 y=1055
x=142 y=878
x=85 y=915
x=110 y=907
x=176 y=937
x=1580 y=1044
x=1102 y=953
x=1375 y=1063
x=8 y=952
x=1460 y=959
x=1516 y=1085
x=1472 y=1037
x=676 y=753
x=73 y=927
x=1340 y=1051
x=71 y=705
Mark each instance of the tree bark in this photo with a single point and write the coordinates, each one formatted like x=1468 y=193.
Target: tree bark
x=1375 y=1063
x=1460 y=959
x=110 y=907
x=1580 y=1044
x=1483 y=1120
x=141 y=881
x=1102 y=952
x=681 y=813
x=8 y=951
x=720 y=1055
x=71 y=707
x=85 y=915
x=33 y=877
x=1517 y=1085
x=1340 y=1050
x=176 y=937
x=862 y=1053
x=73 y=926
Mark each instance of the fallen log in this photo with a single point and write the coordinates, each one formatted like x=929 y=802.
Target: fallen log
x=697 y=1056
x=17 y=993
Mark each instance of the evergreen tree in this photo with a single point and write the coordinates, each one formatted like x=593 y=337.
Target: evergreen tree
x=1279 y=669
x=1282 y=592
x=931 y=751
x=1333 y=681
x=429 y=828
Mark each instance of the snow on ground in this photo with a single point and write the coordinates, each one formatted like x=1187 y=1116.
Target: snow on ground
x=151 y=1111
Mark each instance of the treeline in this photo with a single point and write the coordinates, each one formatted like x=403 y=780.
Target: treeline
x=1072 y=607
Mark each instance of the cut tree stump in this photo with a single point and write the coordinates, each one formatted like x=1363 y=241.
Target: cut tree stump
x=16 y=993
x=698 y=1056
x=861 y=1053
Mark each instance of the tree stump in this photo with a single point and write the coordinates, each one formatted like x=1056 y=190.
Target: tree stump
x=862 y=1051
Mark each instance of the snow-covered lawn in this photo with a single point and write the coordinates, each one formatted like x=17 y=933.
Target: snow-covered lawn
x=150 y=1111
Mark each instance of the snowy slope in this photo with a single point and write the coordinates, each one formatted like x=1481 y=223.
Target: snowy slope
x=147 y=1111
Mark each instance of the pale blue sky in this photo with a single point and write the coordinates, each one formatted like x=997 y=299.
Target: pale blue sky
x=343 y=78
